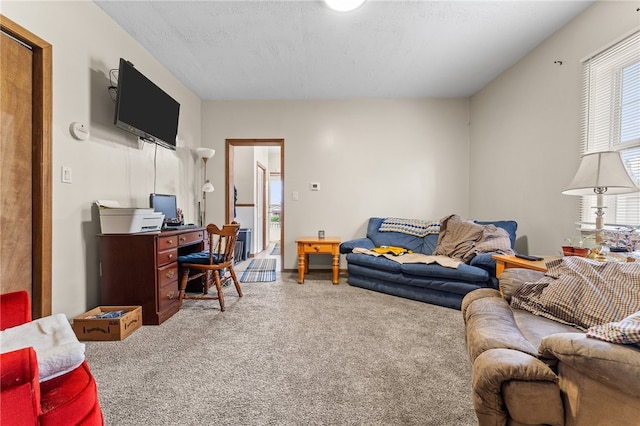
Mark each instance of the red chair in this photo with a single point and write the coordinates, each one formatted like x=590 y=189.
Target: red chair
x=70 y=399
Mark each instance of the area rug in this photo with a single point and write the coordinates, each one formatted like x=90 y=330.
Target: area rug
x=259 y=270
x=276 y=249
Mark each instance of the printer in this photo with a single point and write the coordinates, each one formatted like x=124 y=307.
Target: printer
x=115 y=219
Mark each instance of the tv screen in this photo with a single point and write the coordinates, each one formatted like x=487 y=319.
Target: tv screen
x=164 y=203
x=144 y=109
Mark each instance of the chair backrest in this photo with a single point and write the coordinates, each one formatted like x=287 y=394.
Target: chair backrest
x=222 y=243
x=15 y=309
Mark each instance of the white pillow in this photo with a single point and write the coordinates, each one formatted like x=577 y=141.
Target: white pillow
x=57 y=347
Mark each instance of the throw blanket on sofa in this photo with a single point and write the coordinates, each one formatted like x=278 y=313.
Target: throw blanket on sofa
x=463 y=239
x=582 y=292
x=417 y=227
x=413 y=258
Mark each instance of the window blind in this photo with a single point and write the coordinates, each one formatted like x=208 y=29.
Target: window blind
x=611 y=121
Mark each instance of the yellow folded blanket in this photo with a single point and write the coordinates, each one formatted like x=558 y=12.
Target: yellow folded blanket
x=396 y=251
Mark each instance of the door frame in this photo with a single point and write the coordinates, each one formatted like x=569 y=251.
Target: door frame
x=42 y=164
x=229 y=179
x=261 y=172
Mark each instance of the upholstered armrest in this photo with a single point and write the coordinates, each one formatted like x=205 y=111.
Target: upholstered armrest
x=615 y=365
x=474 y=295
x=20 y=390
x=512 y=278
x=348 y=246
x=484 y=261
x=490 y=325
x=511 y=383
x=15 y=309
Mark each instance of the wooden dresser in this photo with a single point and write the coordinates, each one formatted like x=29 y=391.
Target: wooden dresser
x=142 y=269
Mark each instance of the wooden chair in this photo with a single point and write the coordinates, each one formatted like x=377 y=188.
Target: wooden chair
x=203 y=265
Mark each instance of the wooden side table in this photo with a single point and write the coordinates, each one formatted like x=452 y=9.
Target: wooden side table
x=504 y=261
x=315 y=245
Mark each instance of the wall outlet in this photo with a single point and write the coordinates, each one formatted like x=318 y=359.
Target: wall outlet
x=314 y=186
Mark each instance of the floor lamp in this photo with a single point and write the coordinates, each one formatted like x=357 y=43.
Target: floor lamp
x=205 y=154
x=601 y=173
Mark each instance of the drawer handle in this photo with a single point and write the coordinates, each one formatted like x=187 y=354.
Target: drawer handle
x=169 y=242
x=183 y=239
x=170 y=256
x=170 y=273
x=170 y=294
x=316 y=248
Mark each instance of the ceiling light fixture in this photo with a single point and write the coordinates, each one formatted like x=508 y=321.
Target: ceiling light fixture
x=344 y=5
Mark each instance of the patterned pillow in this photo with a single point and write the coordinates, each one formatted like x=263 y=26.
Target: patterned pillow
x=626 y=331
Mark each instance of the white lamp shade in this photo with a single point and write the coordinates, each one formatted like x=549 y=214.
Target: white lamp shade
x=344 y=5
x=206 y=152
x=601 y=170
x=208 y=186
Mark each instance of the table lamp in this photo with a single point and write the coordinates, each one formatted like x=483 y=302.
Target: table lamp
x=601 y=173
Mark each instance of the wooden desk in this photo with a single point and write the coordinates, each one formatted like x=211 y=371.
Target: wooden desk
x=142 y=269
x=314 y=245
x=504 y=261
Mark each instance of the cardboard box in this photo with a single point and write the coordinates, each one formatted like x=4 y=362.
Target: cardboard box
x=88 y=328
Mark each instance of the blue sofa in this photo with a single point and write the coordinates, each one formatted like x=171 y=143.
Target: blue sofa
x=429 y=283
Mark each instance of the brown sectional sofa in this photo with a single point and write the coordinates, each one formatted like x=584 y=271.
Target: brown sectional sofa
x=530 y=370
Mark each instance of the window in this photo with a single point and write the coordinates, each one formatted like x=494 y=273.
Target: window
x=611 y=122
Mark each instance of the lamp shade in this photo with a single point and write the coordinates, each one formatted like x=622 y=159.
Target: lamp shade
x=344 y=5
x=208 y=186
x=603 y=171
x=206 y=152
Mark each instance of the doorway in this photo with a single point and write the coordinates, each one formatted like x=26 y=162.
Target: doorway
x=31 y=249
x=253 y=205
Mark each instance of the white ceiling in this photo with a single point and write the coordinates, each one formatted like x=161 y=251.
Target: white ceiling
x=302 y=50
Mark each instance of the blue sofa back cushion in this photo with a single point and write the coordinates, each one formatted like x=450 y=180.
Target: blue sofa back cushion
x=510 y=226
x=424 y=245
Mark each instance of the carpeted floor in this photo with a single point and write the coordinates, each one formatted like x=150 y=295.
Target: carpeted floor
x=290 y=354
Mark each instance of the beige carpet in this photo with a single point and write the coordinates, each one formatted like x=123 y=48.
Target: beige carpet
x=290 y=354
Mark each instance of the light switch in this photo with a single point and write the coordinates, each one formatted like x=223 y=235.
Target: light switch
x=66 y=174
x=295 y=196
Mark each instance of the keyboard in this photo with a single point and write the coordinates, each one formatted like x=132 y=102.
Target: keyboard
x=179 y=227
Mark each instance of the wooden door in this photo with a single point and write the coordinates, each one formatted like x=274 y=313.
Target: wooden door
x=15 y=166
x=25 y=165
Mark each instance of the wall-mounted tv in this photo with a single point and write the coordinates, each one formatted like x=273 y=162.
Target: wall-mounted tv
x=144 y=109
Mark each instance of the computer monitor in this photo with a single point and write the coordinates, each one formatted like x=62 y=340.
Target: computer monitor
x=167 y=204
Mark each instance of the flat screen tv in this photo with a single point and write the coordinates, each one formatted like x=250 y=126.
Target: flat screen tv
x=144 y=109
x=167 y=204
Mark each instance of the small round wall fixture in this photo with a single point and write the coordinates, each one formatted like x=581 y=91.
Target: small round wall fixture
x=79 y=131
x=344 y=5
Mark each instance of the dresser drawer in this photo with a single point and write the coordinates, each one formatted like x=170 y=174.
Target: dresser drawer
x=316 y=248
x=167 y=256
x=167 y=295
x=190 y=237
x=169 y=242
x=167 y=274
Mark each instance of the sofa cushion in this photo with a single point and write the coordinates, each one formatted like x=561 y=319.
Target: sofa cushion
x=510 y=226
x=462 y=273
x=374 y=262
x=398 y=239
x=348 y=246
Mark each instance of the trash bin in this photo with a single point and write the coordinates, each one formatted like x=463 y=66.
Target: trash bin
x=244 y=235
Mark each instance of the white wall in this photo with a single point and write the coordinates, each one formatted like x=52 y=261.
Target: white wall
x=407 y=158
x=86 y=45
x=525 y=129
